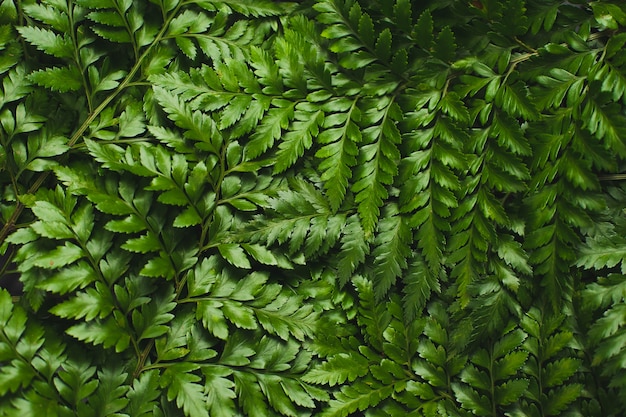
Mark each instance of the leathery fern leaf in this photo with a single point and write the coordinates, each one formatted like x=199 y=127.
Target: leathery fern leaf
x=391 y=251
x=377 y=162
x=429 y=185
x=300 y=219
x=551 y=365
x=299 y=137
x=339 y=152
x=17 y=373
x=606 y=296
x=490 y=380
x=419 y=283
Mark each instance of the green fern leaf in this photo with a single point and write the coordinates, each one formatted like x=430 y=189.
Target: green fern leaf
x=338 y=369
x=182 y=385
x=240 y=316
x=235 y=255
x=160 y=266
x=75 y=380
x=515 y=101
x=383 y=46
x=92 y=303
x=339 y=152
x=514 y=19
x=108 y=18
x=69 y=279
x=50 y=15
x=402 y=15
x=471 y=400
x=458 y=166
x=185 y=21
x=377 y=164
x=249 y=394
x=143 y=393
x=445 y=46
x=555 y=373
x=354 y=248
x=61 y=79
x=613 y=81
x=285 y=317
x=220 y=393
x=199 y=127
x=108 y=82
x=509 y=342
x=549 y=364
x=366 y=30
x=603 y=252
x=276 y=394
x=607 y=326
x=251 y=8
x=109 y=395
x=260 y=254
x=301 y=394
x=237 y=351
x=21 y=122
x=47 y=41
x=423 y=30
x=299 y=138
x=151 y=321
x=419 y=284
x=359 y=396
x=270 y=129
x=606 y=291
x=266 y=71
x=113 y=34
x=431 y=238
x=213 y=318
x=390 y=251
x=560 y=398
x=510 y=135
x=510 y=391
x=15 y=85
x=508 y=365
x=59 y=256
x=19 y=344
x=189 y=217
x=107 y=333
x=512 y=253
x=143 y=244
x=452 y=105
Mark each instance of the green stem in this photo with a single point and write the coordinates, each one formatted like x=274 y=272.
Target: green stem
x=77 y=59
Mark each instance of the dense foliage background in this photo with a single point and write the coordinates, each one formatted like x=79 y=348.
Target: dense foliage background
x=330 y=208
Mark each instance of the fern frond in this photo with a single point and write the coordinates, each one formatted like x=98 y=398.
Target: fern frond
x=61 y=79
x=551 y=364
x=489 y=382
x=299 y=136
x=262 y=8
x=48 y=41
x=339 y=149
x=270 y=128
x=198 y=126
x=419 y=284
x=390 y=251
x=377 y=162
x=311 y=231
x=358 y=396
x=354 y=248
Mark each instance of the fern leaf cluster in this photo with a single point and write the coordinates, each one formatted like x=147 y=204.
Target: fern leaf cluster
x=330 y=208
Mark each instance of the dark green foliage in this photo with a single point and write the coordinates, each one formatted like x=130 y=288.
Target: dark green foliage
x=331 y=208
